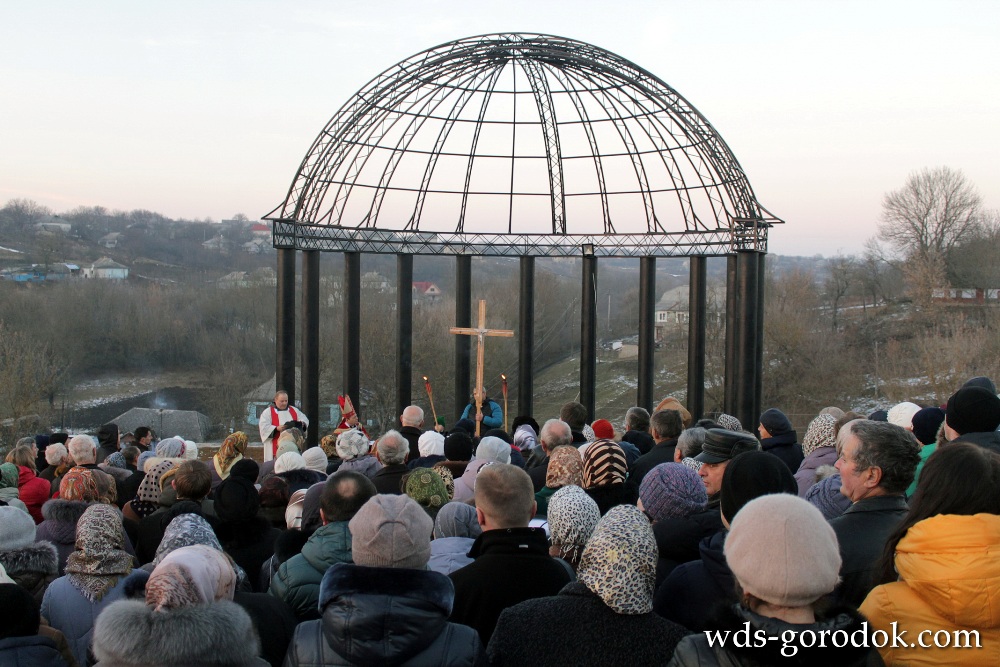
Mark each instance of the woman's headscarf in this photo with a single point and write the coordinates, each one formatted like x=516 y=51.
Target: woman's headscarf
x=492 y=448
x=140 y=463
x=572 y=515
x=79 y=484
x=431 y=443
x=232 y=450
x=457 y=520
x=604 y=464
x=8 y=476
x=191 y=575
x=170 y=448
x=187 y=530
x=619 y=563
x=448 y=478
x=117 y=460
x=352 y=444
x=294 y=510
x=565 y=468
x=289 y=461
x=100 y=559
x=148 y=496
x=819 y=434
x=329 y=446
x=427 y=488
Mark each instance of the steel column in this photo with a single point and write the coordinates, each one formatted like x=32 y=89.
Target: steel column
x=284 y=334
x=588 y=337
x=404 y=331
x=463 y=318
x=759 y=393
x=647 y=331
x=310 y=343
x=526 y=338
x=351 y=372
x=729 y=381
x=746 y=343
x=697 y=308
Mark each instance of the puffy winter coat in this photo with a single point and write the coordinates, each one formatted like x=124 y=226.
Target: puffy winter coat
x=33 y=567
x=33 y=651
x=297 y=580
x=949 y=570
x=59 y=526
x=383 y=616
x=678 y=539
x=805 y=476
x=692 y=593
x=69 y=612
x=450 y=553
x=130 y=634
x=367 y=465
x=33 y=492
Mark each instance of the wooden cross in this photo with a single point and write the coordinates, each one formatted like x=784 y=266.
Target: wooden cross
x=481 y=332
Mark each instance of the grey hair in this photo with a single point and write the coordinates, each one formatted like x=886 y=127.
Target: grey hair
x=55 y=453
x=890 y=448
x=493 y=449
x=691 y=441
x=83 y=449
x=637 y=419
x=392 y=448
x=555 y=433
x=352 y=444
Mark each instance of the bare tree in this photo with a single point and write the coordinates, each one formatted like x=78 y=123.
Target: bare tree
x=840 y=279
x=933 y=211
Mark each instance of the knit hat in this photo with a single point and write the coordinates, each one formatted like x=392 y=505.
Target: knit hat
x=672 y=491
x=457 y=520
x=391 y=531
x=781 y=550
x=499 y=433
x=901 y=414
x=286 y=444
x=458 y=447
x=289 y=461
x=926 y=424
x=492 y=448
x=619 y=563
x=246 y=468
x=315 y=459
x=572 y=517
x=236 y=500
x=525 y=437
x=430 y=443
x=879 y=416
x=973 y=410
x=604 y=464
x=819 y=434
x=775 y=421
x=427 y=488
x=751 y=475
x=19 y=615
x=466 y=425
x=565 y=468
x=603 y=429
x=825 y=496
x=190 y=576
x=722 y=444
x=729 y=422
x=981 y=381
x=17 y=529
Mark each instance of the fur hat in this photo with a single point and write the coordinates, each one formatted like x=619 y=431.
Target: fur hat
x=901 y=414
x=17 y=529
x=603 y=429
x=391 y=531
x=246 y=468
x=775 y=421
x=973 y=410
x=751 y=475
x=236 y=500
x=672 y=490
x=926 y=424
x=781 y=550
x=458 y=446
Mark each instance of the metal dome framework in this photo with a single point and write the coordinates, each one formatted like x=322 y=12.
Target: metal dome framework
x=475 y=146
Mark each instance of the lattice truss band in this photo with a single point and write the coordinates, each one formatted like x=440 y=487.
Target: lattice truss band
x=520 y=144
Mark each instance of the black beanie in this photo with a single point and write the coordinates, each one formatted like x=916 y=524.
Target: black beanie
x=236 y=500
x=245 y=468
x=458 y=447
x=973 y=410
x=981 y=381
x=753 y=474
x=775 y=421
x=19 y=615
x=926 y=423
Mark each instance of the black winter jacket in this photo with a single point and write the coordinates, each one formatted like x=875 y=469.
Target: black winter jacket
x=383 y=616
x=786 y=448
x=862 y=532
x=678 y=540
x=693 y=592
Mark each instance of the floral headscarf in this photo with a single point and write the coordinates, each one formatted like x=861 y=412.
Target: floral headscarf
x=189 y=576
x=186 y=530
x=79 y=484
x=117 y=460
x=604 y=464
x=565 y=468
x=572 y=516
x=100 y=559
x=8 y=476
x=819 y=434
x=148 y=496
x=427 y=488
x=619 y=563
x=448 y=478
x=232 y=450
x=170 y=448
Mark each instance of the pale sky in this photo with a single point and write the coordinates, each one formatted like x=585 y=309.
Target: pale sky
x=205 y=109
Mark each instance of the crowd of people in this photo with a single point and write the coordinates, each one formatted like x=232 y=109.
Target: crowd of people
x=674 y=539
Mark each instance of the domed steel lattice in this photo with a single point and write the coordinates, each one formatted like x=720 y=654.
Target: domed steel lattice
x=519 y=144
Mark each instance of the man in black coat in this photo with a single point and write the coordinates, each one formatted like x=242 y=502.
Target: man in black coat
x=877 y=463
x=665 y=426
x=512 y=562
x=555 y=433
x=412 y=421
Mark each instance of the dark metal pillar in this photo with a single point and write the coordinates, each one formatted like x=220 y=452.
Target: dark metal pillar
x=647 y=332
x=697 y=309
x=526 y=341
x=746 y=343
x=352 y=329
x=404 y=331
x=588 y=336
x=759 y=393
x=463 y=318
x=284 y=334
x=310 y=343
x=729 y=381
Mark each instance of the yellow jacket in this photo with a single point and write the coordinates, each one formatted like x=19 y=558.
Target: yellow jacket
x=949 y=571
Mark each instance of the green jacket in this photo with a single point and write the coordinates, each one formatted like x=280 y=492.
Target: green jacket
x=297 y=580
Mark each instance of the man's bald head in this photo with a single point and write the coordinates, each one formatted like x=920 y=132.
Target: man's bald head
x=412 y=415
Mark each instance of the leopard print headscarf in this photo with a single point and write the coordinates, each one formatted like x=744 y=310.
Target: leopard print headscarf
x=619 y=563
x=572 y=516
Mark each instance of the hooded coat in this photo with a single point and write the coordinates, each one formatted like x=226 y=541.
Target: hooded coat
x=33 y=491
x=59 y=527
x=384 y=616
x=32 y=567
x=949 y=570
x=693 y=591
x=297 y=580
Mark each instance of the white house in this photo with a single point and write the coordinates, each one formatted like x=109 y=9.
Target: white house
x=106 y=269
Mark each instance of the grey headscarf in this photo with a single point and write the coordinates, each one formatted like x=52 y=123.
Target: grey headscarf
x=492 y=448
x=457 y=520
x=186 y=530
x=170 y=448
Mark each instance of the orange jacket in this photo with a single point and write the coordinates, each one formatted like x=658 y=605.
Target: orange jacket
x=949 y=571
